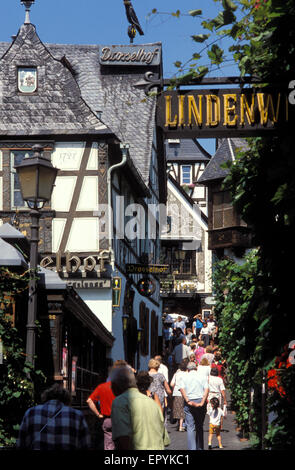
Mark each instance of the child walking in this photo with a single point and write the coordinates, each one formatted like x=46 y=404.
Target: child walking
x=215 y=421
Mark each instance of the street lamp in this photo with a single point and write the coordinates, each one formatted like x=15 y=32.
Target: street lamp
x=125 y=319
x=36 y=177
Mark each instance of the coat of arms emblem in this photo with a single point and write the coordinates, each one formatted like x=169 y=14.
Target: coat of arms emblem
x=27 y=79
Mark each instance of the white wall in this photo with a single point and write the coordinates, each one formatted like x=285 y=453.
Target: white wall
x=100 y=302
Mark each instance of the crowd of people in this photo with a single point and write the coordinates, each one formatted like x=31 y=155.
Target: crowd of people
x=134 y=406
x=198 y=378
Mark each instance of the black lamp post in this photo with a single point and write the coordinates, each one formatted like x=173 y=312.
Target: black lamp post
x=36 y=176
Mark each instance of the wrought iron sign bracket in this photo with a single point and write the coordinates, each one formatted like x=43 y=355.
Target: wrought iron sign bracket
x=150 y=82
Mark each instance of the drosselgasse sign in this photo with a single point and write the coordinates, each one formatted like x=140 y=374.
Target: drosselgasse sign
x=221 y=112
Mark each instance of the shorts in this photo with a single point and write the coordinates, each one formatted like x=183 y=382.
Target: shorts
x=214 y=429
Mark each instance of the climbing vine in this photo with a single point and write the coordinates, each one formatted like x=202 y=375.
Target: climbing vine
x=17 y=392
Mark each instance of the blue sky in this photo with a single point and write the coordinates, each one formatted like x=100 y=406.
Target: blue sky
x=104 y=22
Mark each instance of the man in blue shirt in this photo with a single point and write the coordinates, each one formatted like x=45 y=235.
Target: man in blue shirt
x=194 y=389
x=197 y=325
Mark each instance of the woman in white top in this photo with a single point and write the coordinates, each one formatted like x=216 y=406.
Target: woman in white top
x=216 y=388
x=178 y=402
x=204 y=368
x=205 y=334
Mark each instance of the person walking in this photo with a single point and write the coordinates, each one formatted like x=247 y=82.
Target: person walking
x=143 y=382
x=188 y=336
x=137 y=421
x=180 y=323
x=219 y=364
x=181 y=351
x=200 y=351
x=215 y=422
x=177 y=338
x=216 y=388
x=194 y=390
x=159 y=384
x=163 y=369
x=54 y=425
x=205 y=334
x=197 y=325
x=213 y=327
x=204 y=368
x=178 y=402
x=104 y=396
x=208 y=354
x=168 y=335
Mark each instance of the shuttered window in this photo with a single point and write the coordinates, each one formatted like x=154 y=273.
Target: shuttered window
x=223 y=211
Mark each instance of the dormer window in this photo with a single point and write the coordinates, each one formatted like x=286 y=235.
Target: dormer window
x=27 y=79
x=186 y=174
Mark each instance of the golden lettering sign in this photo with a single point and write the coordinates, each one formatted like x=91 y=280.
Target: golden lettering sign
x=68 y=264
x=221 y=112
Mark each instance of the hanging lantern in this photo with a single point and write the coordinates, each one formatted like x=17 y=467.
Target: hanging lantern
x=117 y=288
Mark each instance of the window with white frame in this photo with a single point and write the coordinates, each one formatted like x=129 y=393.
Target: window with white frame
x=186 y=174
x=16 y=159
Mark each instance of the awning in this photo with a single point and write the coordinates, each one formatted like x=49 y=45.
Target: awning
x=82 y=312
x=10 y=256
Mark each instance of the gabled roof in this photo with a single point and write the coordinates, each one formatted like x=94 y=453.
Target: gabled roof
x=225 y=153
x=125 y=108
x=57 y=107
x=126 y=111
x=185 y=150
x=187 y=198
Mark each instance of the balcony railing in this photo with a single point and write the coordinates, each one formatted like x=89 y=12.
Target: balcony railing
x=179 y=285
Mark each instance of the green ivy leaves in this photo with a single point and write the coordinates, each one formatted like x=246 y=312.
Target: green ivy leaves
x=215 y=54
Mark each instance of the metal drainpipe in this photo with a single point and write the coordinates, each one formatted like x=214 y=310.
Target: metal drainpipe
x=125 y=148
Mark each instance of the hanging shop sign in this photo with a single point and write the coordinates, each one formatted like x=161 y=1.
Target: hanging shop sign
x=147 y=269
x=146 y=286
x=130 y=55
x=70 y=263
x=221 y=112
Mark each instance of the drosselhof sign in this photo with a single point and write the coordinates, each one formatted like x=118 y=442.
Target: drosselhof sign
x=221 y=112
x=130 y=55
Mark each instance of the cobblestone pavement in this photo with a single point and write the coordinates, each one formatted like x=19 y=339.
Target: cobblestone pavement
x=229 y=436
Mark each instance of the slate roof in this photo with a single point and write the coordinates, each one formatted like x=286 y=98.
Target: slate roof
x=185 y=150
x=56 y=108
x=126 y=110
x=224 y=153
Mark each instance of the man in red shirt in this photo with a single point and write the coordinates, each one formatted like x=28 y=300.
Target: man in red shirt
x=104 y=395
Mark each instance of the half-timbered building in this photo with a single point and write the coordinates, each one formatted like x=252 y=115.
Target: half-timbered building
x=185 y=244
x=87 y=107
x=228 y=233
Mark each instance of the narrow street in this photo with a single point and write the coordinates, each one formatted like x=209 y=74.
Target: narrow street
x=229 y=436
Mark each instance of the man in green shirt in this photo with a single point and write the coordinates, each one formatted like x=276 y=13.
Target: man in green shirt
x=137 y=421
